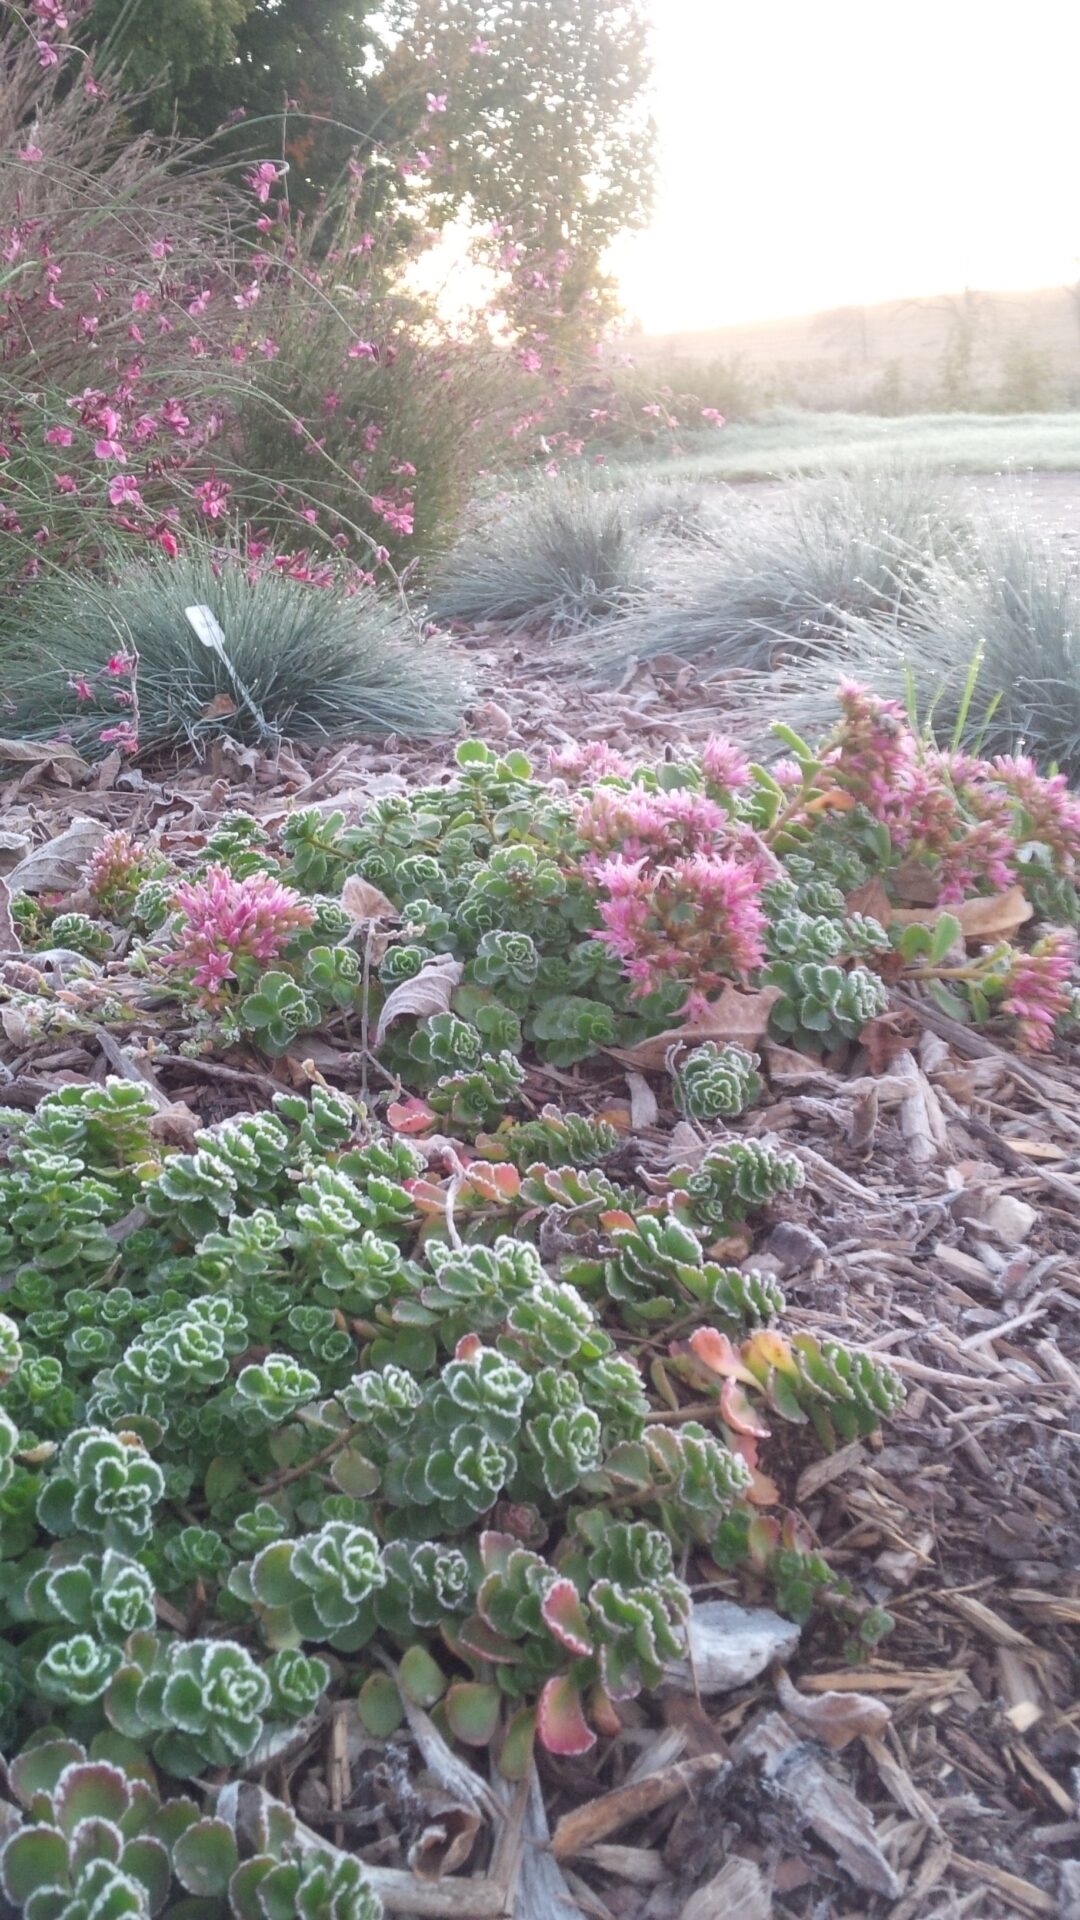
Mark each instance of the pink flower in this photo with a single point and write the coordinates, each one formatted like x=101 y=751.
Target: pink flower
x=213 y=498
x=224 y=920
x=530 y=360
x=64 y=483
x=436 y=102
x=398 y=514
x=31 y=154
x=142 y=303
x=724 y=765
x=120 y=664
x=51 y=13
x=263 y=178
x=172 y=413
x=713 y=415
x=124 y=735
x=167 y=541
x=660 y=825
x=1040 y=987
x=80 y=687
x=109 y=450
x=59 y=436
x=160 y=249
x=124 y=491
x=47 y=56
x=363 y=350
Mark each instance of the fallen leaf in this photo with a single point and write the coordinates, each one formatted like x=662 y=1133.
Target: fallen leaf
x=730 y=1645
x=57 y=757
x=59 y=863
x=427 y=992
x=644 y=1111
x=365 y=903
x=735 y=1016
x=219 y=708
x=993 y=918
x=832 y=1718
x=872 y=901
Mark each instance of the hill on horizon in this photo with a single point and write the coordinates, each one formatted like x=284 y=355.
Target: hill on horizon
x=955 y=349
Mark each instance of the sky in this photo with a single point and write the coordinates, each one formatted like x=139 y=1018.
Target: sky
x=825 y=153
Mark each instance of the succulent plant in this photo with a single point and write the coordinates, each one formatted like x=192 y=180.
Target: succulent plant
x=714 y=1082
x=820 y=1006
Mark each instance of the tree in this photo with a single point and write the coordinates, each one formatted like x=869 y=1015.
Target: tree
x=285 y=77
x=523 y=115
x=545 y=135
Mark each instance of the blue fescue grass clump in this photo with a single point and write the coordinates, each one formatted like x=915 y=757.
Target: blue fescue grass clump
x=301 y=662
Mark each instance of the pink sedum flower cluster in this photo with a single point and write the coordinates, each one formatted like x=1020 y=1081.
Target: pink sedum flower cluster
x=697 y=918
x=225 y=920
x=1040 y=987
x=639 y=824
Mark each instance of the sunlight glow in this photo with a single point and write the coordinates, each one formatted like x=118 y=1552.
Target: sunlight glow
x=813 y=156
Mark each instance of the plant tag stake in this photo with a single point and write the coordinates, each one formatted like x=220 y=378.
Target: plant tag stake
x=206 y=627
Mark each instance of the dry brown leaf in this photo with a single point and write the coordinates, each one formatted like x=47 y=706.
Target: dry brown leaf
x=365 y=903
x=833 y=1718
x=52 y=756
x=735 y=1016
x=427 y=992
x=993 y=918
x=872 y=901
x=59 y=863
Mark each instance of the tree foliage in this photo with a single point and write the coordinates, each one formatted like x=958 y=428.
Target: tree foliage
x=527 y=116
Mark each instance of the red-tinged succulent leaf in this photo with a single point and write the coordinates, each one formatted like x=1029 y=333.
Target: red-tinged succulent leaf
x=739 y=1414
x=715 y=1351
x=564 y=1616
x=560 y=1720
x=410 y=1115
x=491 y=1185
x=795 y=1534
x=515 y=1757
x=478 y=1637
x=90 y=1790
x=38 y=1769
x=427 y=1196
x=420 y=1677
x=468 y=1346
x=762 y=1539
x=496 y=1548
x=762 y=1492
x=602 y=1712
x=472 y=1711
x=617 y=1219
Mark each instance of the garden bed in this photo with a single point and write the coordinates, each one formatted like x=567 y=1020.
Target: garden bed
x=924 y=1770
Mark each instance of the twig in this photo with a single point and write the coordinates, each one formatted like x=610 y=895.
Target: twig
x=210 y=1070
x=586 y=1825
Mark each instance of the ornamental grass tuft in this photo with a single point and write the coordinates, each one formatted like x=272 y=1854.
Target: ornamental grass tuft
x=299 y=662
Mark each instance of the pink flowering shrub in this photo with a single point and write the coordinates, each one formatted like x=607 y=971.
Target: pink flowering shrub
x=228 y=924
